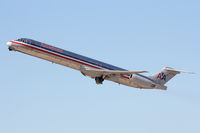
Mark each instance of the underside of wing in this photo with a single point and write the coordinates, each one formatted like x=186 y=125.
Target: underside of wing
x=99 y=72
x=111 y=72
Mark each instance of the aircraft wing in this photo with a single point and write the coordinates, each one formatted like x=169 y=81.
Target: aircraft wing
x=111 y=72
x=99 y=72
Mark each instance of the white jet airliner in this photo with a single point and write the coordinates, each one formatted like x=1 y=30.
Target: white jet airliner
x=95 y=69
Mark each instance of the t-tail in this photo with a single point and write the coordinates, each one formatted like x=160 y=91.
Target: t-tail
x=167 y=73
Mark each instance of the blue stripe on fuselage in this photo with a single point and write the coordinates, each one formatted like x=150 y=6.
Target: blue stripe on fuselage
x=74 y=56
x=78 y=57
x=146 y=77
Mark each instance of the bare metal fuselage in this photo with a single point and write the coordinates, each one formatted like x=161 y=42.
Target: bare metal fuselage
x=135 y=80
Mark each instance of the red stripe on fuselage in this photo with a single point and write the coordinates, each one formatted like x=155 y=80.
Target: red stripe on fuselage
x=61 y=56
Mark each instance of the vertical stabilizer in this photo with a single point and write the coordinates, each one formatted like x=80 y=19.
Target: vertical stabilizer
x=165 y=75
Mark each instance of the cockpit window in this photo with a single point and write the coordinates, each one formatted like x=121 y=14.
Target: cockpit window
x=29 y=41
x=19 y=39
x=23 y=40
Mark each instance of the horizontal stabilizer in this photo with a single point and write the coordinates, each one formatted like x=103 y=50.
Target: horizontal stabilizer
x=177 y=71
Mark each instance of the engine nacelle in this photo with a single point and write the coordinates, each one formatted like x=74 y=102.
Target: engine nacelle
x=142 y=82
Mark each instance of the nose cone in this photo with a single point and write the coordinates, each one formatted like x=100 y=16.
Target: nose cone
x=9 y=43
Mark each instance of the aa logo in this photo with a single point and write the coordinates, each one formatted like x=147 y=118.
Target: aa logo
x=161 y=76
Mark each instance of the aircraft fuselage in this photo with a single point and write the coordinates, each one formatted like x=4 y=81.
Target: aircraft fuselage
x=76 y=61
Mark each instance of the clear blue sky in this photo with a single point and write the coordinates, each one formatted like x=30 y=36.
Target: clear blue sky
x=37 y=96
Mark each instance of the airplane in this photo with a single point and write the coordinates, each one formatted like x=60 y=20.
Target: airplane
x=95 y=69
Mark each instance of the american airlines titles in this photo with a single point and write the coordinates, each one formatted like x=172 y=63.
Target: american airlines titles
x=51 y=47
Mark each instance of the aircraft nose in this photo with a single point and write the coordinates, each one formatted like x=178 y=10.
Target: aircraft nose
x=9 y=43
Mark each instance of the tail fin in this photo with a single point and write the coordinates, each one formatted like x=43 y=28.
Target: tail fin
x=165 y=75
